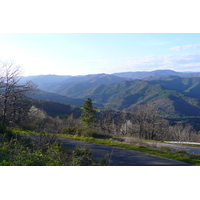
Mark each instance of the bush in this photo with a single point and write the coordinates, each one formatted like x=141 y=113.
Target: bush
x=3 y=129
x=17 y=153
x=14 y=153
x=6 y=134
x=81 y=156
x=85 y=132
x=80 y=131
x=68 y=130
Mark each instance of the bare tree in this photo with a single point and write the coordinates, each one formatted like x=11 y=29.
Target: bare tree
x=150 y=125
x=12 y=93
x=180 y=132
x=108 y=122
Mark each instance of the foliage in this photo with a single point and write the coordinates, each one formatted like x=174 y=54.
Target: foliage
x=16 y=154
x=53 y=109
x=79 y=131
x=39 y=121
x=23 y=152
x=88 y=112
x=5 y=133
x=81 y=156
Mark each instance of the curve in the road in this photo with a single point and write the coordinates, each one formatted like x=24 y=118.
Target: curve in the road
x=121 y=157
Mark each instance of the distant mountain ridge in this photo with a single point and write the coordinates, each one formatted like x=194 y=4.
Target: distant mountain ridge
x=173 y=93
x=45 y=79
x=128 y=94
x=187 y=86
x=42 y=95
x=71 y=85
x=52 y=80
x=156 y=73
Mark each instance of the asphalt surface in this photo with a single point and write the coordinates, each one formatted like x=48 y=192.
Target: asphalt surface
x=121 y=157
x=189 y=149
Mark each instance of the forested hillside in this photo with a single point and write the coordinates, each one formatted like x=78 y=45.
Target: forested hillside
x=127 y=95
x=187 y=86
x=71 y=86
x=39 y=94
x=172 y=95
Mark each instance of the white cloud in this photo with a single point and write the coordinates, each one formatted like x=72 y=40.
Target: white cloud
x=185 y=62
x=94 y=61
x=157 y=43
x=178 y=48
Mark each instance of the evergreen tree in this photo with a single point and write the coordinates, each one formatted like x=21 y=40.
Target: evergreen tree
x=88 y=112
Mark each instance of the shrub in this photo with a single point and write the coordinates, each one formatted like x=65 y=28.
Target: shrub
x=14 y=153
x=81 y=156
x=84 y=131
x=17 y=153
x=3 y=129
x=68 y=130
x=5 y=133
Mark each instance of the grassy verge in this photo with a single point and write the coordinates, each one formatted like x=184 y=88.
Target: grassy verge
x=20 y=150
x=193 y=160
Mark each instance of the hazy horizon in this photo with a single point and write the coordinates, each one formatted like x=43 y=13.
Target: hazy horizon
x=94 y=53
x=110 y=73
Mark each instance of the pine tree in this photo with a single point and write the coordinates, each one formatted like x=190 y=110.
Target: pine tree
x=88 y=112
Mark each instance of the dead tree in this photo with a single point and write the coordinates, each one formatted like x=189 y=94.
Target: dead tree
x=150 y=125
x=12 y=93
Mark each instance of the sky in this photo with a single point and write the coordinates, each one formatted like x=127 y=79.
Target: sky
x=92 y=53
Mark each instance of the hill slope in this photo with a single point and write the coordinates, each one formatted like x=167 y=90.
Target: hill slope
x=128 y=94
x=74 y=85
x=187 y=86
x=172 y=94
x=156 y=73
x=42 y=95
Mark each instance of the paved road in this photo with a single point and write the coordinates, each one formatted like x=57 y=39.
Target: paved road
x=121 y=157
x=189 y=149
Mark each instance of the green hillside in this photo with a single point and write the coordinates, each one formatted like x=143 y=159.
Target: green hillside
x=187 y=86
x=128 y=94
x=55 y=97
x=72 y=86
x=174 y=96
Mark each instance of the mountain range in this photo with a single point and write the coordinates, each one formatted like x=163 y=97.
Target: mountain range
x=173 y=93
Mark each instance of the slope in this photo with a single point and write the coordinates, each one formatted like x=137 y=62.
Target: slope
x=128 y=94
x=71 y=87
x=187 y=86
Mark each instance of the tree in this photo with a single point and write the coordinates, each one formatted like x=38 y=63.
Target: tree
x=13 y=106
x=88 y=112
x=180 y=132
x=150 y=125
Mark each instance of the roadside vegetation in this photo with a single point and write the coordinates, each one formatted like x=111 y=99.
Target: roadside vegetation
x=22 y=150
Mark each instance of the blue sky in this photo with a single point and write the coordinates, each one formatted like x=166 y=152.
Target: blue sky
x=91 y=53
